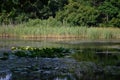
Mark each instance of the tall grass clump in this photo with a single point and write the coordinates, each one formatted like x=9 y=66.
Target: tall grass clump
x=81 y=32
x=107 y=34
x=93 y=33
x=52 y=28
x=110 y=33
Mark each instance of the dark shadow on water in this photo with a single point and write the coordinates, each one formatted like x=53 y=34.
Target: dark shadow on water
x=45 y=76
x=6 y=75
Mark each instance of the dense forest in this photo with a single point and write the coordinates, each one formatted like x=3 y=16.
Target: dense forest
x=75 y=12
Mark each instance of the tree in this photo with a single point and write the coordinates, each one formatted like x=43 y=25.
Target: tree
x=78 y=14
x=108 y=11
x=22 y=10
x=108 y=14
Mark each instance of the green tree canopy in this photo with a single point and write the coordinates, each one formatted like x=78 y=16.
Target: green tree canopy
x=22 y=10
x=74 y=12
x=78 y=14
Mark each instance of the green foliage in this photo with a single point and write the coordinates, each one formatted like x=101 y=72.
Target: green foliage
x=78 y=14
x=51 y=22
x=115 y=22
x=17 y=11
x=21 y=53
x=107 y=12
x=108 y=9
x=21 y=17
x=75 y=12
x=35 y=30
x=93 y=33
x=37 y=52
x=90 y=13
x=108 y=34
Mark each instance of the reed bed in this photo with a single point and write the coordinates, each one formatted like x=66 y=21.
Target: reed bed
x=37 y=31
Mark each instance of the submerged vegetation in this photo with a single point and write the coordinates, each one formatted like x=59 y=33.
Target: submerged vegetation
x=100 y=56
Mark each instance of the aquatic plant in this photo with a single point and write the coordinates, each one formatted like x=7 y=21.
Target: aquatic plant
x=37 y=52
x=93 y=33
x=25 y=31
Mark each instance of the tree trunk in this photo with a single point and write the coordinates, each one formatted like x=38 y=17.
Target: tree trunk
x=107 y=18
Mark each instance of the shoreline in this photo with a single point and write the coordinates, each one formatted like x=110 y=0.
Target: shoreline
x=57 y=37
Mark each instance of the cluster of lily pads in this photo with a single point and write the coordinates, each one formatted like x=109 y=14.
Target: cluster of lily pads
x=38 y=52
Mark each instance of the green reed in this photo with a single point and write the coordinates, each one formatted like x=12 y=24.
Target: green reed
x=39 y=28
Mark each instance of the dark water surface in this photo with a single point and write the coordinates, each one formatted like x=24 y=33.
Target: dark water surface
x=5 y=45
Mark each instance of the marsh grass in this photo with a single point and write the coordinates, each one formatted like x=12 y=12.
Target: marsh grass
x=109 y=34
x=46 y=28
x=94 y=33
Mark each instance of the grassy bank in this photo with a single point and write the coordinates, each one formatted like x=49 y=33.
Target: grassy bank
x=46 y=30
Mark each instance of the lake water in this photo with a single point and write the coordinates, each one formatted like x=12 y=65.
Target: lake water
x=6 y=44
x=5 y=75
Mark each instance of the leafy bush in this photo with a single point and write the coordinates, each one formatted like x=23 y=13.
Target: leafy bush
x=51 y=22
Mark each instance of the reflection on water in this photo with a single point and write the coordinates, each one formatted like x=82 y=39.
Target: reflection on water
x=43 y=76
x=67 y=77
x=57 y=78
x=5 y=75
x=6 y=44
